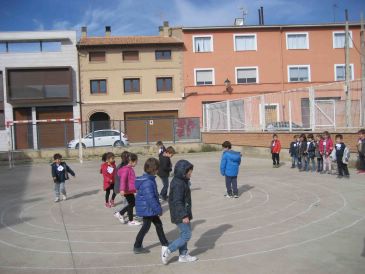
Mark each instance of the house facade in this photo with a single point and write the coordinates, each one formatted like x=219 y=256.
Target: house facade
x=39 y=81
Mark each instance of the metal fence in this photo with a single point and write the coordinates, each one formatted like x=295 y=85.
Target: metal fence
x=311 y=108
x=104 y=133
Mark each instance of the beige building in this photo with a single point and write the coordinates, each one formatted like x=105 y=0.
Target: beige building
x=131 y=78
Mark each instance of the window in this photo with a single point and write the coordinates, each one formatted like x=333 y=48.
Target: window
x=130 y=56
x=339 y=38
x=164 y=83
x=97 y=56
x=24 y=46
x=50 y=46
x=163 y=54
x=131 y=85
x=340 y=72
x=299 y=73
x=247 y=75
x=204 y=77
x=297 y=40
x=98 y=86
x=203 y=43
x=245 y=42
x=3 y=47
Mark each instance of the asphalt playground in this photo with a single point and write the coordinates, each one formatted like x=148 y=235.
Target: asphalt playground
x=283 y=222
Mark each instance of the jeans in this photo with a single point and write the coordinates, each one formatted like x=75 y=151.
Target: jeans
x=319 y=164
x=163 y=193
x=327 y=163
x=129 y=208
x=312 y=162
x=304 y=163
x=294 y=161
x=231 y=184
x=181 y=243
x=361 y=162
x=275 y=159
x=59 y=187
x=342 y=168
x=147 y=220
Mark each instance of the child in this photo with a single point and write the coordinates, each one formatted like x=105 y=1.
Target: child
x=293 y=151
x=229 y=168
x=318 y=154
x=125 y=160
x=60 y=172
x=148 y=206
x=164 y=171
x=180 y=212
x=325 y=148
x=361 y=151
x=341 y=155
x=108 y=171
x=103 y=159
x=275 y=150
x=311 y=149
x=127 y=189
x=161 y=148
x=302 y=152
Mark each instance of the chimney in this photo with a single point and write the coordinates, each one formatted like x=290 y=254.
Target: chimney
x=108 y=31
x=165 y=29
x=83 y=32
x=262 y=16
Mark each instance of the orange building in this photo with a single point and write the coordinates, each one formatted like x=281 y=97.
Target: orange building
x=262 y=59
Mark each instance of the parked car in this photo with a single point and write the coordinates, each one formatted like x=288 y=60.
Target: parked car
x=104 y=137
x=284 y=126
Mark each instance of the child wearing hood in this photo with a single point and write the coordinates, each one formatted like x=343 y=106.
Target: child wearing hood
x=180 y=212
x=229 y=167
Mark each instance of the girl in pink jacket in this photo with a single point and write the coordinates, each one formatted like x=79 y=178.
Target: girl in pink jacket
x=325 y=148
x=127 y=189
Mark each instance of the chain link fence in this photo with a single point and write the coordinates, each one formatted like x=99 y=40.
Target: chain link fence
x=310 y=109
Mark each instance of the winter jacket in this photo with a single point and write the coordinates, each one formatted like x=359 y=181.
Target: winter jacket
x=311 y=149
x=165 y=166
x=180 y=194
x=108 y=171
x=293 y=150
x=117 y=178
x=302 y=148
x=328 y=144
x=60 y=172
x=275 y=146
x=147 y=202
x=161 y=150
x=127 y=179
x=230 y=163
x=361 y=147
x=341 y=151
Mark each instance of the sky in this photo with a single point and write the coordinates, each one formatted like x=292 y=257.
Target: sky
x=142 y=17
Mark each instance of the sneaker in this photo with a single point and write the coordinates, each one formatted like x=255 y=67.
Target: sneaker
x=112 y=203
x=274 y=166
x=134 y=223
x=56 y=200
x=228 y=195
x=120 y=217
x=235 y=196
x=339 y=176
x=165 y=255
x=163 y=251
x=187 y=258
x=107 y=205
x=64 y=197
x=140 y=250
x=347 y=176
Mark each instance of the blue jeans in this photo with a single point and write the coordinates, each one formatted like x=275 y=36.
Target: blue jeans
x=181 y=243
x=319 y=164
x=163 y=193
x=231 y=184
x=294 y=161
x=59 y=188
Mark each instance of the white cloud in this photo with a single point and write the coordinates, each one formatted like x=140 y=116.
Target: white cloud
x=39 y=26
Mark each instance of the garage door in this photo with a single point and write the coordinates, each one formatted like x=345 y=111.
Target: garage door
x=23 y=133
x=151 y=126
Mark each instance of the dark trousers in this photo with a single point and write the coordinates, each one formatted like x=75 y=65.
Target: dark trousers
x=107 y=193
x=275 y=159
x=361 y=162
x=319 y=164
x=342 y=168
x=231 y=184
x=129 y=208
x=146 y=227
x=165 y=182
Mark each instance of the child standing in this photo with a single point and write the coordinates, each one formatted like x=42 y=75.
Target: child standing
x=275 y=150
x=311 y=150
x=161 y=148
x=108 y=170
x=361 y=151
x=148 y=206
x=60 y=171
x=302 y=152
x=293 y=151
x=325 y=148
x=341 y=155
x=229 y=168
x=127 y=189
x=164 y=171
x=318 y=153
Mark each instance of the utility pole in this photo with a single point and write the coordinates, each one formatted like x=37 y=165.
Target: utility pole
x=348 y=72
x=362 y=50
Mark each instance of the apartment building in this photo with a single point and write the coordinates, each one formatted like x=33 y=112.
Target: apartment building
x=230 y=62
x=131 y=78
x=38 y=81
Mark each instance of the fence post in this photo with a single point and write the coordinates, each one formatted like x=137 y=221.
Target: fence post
x=80 y=142
x=228 y=116
x=262 y=113
x=92 y=130
x=312 y=110
x=174 y=129
x=120 y=130
x=146 y=123
x=290 y=117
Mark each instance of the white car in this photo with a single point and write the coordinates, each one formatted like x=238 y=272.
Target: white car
x=104 y=137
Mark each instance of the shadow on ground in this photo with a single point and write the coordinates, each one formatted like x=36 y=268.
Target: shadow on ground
x=243 y=189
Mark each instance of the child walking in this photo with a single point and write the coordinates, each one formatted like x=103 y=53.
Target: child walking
x=293 y=151
x=318 y=153
x=275 y=150
x=311 y=149
x=108 y=170
x=60 y=171
x=180 y=212
x=124 y=161
x=341 y=154
x=229 y=168
x=148 y=206
x=325 y=148
x=361 y=151
x=127 y=189
x=164 y=171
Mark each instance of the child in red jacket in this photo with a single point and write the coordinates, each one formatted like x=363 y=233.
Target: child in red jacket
x=275 y=150
x=325 y=148
x=108 y=170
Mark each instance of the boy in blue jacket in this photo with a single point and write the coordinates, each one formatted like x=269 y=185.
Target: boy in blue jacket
x=230 y=163
x=60 y=171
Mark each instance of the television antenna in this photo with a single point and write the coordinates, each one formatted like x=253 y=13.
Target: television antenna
x=334 y=7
